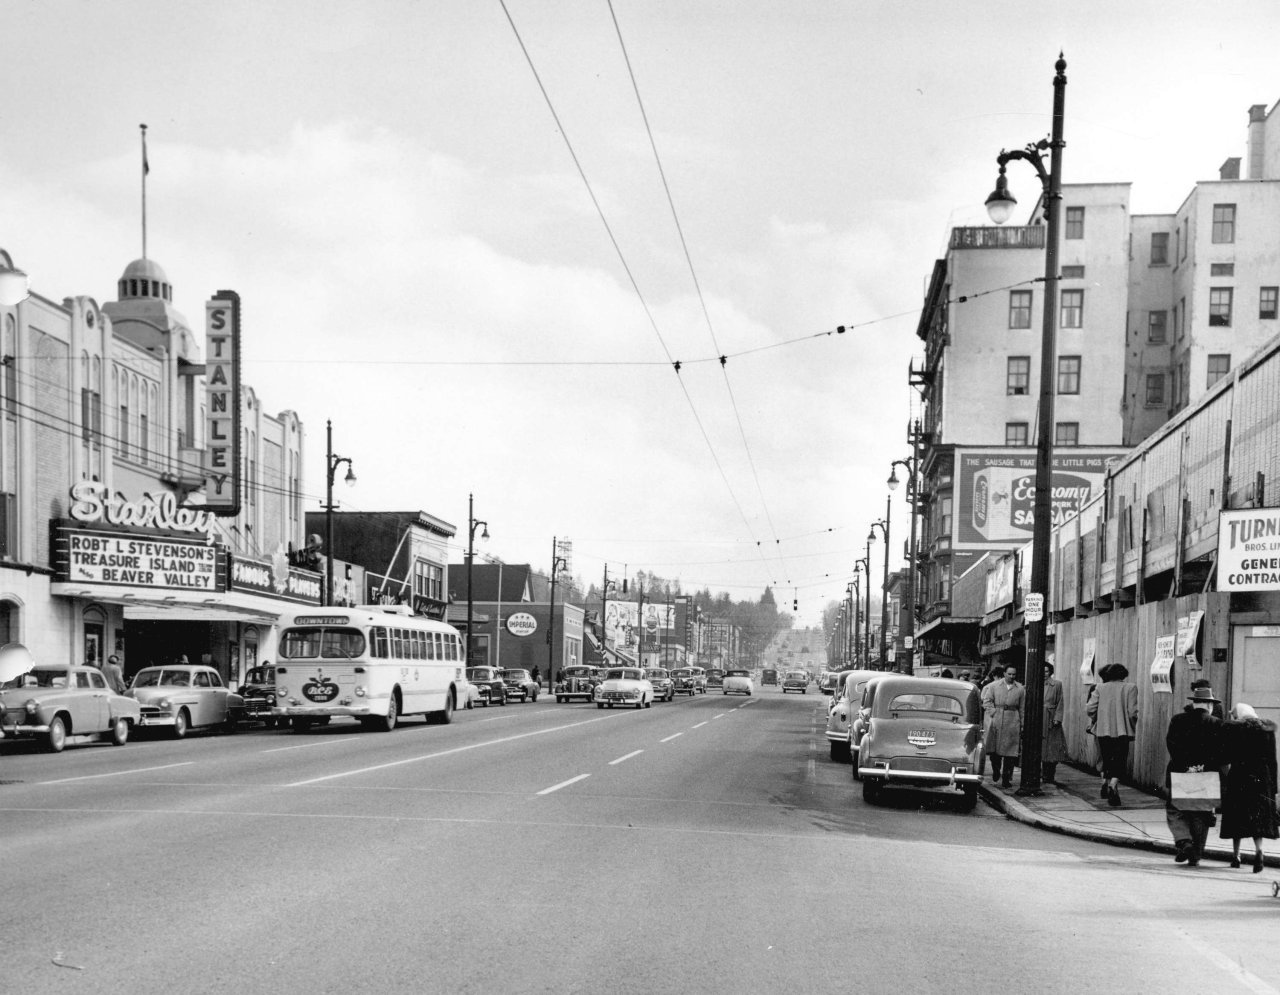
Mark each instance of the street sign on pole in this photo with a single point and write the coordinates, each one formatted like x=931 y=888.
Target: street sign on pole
x=1033 y=609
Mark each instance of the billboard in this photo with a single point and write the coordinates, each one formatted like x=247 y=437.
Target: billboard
x=995 y=492
x=1249 y=550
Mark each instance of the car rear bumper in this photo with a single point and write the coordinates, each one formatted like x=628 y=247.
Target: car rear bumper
x=921 y=776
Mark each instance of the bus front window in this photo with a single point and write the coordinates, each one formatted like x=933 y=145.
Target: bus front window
x=311 y=643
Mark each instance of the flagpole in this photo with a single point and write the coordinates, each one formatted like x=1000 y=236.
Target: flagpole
x=146 y=168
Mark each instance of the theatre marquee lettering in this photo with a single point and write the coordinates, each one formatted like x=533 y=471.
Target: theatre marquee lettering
x=129 y=560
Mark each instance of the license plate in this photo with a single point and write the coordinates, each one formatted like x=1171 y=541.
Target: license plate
x=921 y=738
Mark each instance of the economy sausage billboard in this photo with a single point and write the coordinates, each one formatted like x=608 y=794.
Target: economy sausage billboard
x=995 y=492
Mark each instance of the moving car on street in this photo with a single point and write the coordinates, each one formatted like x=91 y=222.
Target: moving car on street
x=685 y=682
x=844 y=709
x=520 y=685
x=699 y=679
x=625 y=686
x=768 y=677
x=493 y=690
x=795 y=680
x=922 y=732
x=715 y=678
x=738 y=682
x=185 y=697
x=65 y=704
x=664 y=688
x=577 y=683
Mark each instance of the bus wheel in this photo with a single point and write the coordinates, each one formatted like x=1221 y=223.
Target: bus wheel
x=387 y=723
x=445 y=715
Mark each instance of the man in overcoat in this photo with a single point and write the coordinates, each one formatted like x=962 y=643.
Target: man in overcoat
x=1194 y=741
x=1002 y=703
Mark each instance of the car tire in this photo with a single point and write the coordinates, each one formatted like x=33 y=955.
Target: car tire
x=301 y=725
x=181 y=723
x=559 y=699
x=599 y=704
x=969 y=801
x=871 y=790
x=533 y=700
x=503 y=702
x=56 y=738
x=119 y=731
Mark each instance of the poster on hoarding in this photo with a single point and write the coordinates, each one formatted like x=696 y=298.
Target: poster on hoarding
x=1162 y=665
x=1249 y=550
x=1086 y=665
x=996 y=489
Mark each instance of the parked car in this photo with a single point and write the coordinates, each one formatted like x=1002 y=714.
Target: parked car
x=625 y=686
x=923 y=732
x=470 y=695
x=845 y=703
x=520 y=685
x=827 y=682
x=65 y=704
x=768 y=677
x=795 y=680
x=738 y=682
x=258 y=689
x=493 y=690
x=715 y=678
x=577 y=683
x=664 y=688
x=684 y=681
x=185 y=697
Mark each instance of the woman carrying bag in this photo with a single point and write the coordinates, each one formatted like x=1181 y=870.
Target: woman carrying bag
x=1113 y=715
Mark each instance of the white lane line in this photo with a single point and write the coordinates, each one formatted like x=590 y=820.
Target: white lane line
x=446 y=753
x=633 y=753
x=118 y=773
x=670 y=738
x=563 y=784
x=330 y=740
x=700 y=725
x=720 y=716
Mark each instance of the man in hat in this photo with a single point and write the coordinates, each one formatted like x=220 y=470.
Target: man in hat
x=1002 y=702
x=1194 y=741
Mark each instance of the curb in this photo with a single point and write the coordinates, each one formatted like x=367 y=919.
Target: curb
x=1016 y=810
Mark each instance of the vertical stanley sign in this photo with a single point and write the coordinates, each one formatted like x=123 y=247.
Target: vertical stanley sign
x=222 y=379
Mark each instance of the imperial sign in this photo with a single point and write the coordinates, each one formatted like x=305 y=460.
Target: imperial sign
x=522 y=624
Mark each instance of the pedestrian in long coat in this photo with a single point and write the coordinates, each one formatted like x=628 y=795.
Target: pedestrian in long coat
x=1249 y=789
x=1054 y=748
x=1194 y=741
x=1002 y=701
x=1113 y=711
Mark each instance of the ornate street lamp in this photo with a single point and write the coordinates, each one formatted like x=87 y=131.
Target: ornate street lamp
x=999 y=206
x=472 y=525
x=332 y=462
x=15 y=285
x=883 y=526
x=908 y=640
x=558 y=563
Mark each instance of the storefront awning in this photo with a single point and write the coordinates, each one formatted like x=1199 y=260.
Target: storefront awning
x=948 y=627
x=224 y=606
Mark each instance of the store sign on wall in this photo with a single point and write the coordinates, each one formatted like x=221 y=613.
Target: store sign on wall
x=1249 y=550
x=522 y=624
x=275 y=579
x=84 y=556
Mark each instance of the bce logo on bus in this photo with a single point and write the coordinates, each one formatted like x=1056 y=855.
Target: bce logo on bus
x=320 y=690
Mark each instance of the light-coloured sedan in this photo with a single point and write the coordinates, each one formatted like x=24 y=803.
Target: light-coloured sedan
x=738 y=682
x=65 y=704
x=184 y=697
x=844 y=710
x=625 y=686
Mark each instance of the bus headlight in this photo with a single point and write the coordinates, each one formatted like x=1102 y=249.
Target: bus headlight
x=282 y=692
x=360 y=692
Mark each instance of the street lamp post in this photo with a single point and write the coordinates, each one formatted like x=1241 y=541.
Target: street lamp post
x=855 y=644
x=558 y=563
x=866 y=619
x=908 y=641
x=472 y=525
x=332 y=462
x=1000 y=205
x=883 y=525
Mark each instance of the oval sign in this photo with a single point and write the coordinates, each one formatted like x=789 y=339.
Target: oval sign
x=320 y=690
x=522 y=624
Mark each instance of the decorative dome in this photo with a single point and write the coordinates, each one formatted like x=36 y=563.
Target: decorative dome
x=145 y=279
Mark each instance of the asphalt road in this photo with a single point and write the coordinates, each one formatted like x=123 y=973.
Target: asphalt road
x=706 y=845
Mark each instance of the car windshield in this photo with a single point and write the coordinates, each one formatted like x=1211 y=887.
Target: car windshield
x=260 y=675
x=659 y=674
x=163 y=678
x=797 y=677
x=479 y=674
x=577 y=671
x=516 y=675
x=926 y=703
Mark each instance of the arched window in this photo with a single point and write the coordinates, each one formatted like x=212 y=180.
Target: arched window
x=9 y=613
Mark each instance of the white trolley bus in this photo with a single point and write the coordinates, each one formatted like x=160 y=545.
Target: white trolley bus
x=375 y=663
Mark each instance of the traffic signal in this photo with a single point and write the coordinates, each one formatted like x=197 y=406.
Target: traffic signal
x=795 y=605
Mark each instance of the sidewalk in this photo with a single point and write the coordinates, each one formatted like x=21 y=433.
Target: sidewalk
x=1073 y=806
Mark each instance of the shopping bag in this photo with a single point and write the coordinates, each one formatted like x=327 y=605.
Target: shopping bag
x=1195 y=791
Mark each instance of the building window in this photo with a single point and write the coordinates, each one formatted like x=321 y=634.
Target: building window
x=1159 y=248
x=1075 y=223
x=1220 y=306
x=124 y=430
x=1073 y=272
x=1222 y=269
x=1219 y=364
x=1182 y=318
x=1267 y=301
x=90 y=415
x=1068 y=374
x=1018 y=377
x=1015 y=433
x=1224 y=223
x=1066 y=433
x=1072 y=309
x=1157 y=326
x=1155 y=390
x=142 y=438
x=1020 y=309
x=944 y=517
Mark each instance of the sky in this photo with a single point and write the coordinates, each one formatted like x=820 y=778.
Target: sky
x=388 y=187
